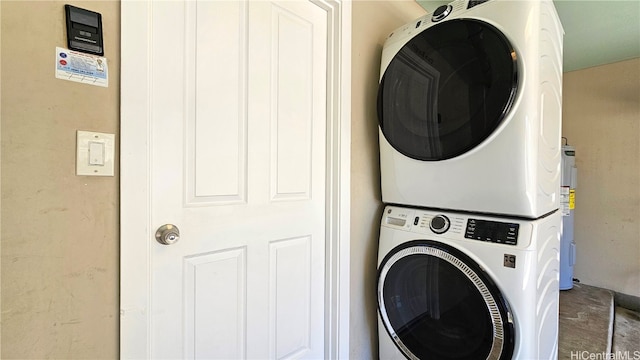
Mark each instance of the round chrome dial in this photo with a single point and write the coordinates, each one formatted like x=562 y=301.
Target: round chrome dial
x=439 y=224
x=441 y=13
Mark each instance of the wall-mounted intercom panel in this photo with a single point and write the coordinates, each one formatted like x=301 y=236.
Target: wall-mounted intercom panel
x=84 y=30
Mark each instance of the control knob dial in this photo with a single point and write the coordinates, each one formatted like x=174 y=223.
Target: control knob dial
x=441 y=13
x=439 y=224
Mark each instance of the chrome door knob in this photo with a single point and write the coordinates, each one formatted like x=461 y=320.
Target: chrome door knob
x=167 y=234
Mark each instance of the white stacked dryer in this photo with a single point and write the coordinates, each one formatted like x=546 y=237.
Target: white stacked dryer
x=469 y=109
x=470 y=106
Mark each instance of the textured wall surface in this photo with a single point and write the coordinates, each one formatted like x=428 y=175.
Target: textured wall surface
x=601 y=118
x=59 y=231
x=372 y=23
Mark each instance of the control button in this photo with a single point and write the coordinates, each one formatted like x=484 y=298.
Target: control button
x=416 y=221
x=441 y=13
x=439 y=224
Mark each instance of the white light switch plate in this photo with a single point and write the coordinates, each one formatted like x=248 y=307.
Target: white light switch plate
x=95 y=153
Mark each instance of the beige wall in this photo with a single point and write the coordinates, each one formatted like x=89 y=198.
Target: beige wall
x=372 y=23
x=59 y=231
x=601 y=118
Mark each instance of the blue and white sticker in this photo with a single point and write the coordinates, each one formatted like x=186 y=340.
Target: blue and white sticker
x=80 y=67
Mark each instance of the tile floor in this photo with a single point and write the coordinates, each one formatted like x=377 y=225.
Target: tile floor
x=591 y=327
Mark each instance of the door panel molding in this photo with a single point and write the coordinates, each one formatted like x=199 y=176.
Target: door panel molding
x=228 y=336
x=290 y=290
x=291 y=50
x=219 y=173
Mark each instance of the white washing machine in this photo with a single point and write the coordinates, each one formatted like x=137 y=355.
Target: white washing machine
x=465 y=286
x=469 y=108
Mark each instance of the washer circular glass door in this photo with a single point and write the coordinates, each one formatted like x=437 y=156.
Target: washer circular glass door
x=437 y=303
x=447 y=89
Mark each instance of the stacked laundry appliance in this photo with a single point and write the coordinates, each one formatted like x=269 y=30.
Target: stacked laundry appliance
x=469 y=109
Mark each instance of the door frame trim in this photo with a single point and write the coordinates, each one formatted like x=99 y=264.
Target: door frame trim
x=135 y=202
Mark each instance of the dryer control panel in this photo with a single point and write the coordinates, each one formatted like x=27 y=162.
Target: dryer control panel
x=492 y=231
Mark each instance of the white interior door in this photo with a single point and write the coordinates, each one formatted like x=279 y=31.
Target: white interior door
x=239 y=108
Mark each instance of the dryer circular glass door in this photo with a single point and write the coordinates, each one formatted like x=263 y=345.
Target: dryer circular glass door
x=437 y=303
x=447 y=89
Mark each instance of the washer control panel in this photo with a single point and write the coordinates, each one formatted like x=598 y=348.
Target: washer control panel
x=492 y=231
x=423 y=221
x=435 y=224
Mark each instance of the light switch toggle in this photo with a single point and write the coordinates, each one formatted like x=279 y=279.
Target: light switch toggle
x=95 y=153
